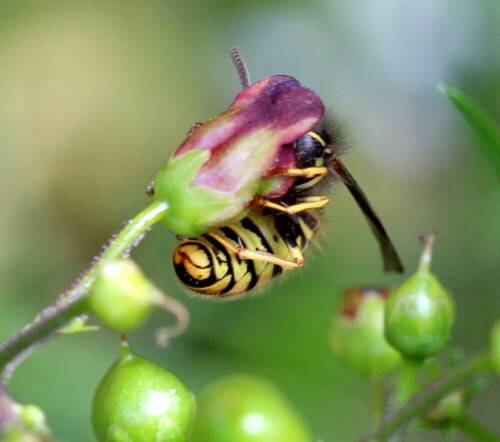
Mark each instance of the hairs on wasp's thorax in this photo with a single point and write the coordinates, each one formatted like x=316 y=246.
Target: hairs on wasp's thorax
x=316 y=149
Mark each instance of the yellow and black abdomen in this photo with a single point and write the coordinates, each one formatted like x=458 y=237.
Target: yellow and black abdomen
x=205 y=265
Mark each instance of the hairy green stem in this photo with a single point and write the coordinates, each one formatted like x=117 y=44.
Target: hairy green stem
x=475 y=430
x=377 y=398
x=419 y=403
x=72 y=302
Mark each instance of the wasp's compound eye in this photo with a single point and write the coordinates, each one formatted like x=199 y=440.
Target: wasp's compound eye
x=308 y=149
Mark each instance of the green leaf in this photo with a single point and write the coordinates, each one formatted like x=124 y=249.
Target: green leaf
x=480 y=123
x=78 y=325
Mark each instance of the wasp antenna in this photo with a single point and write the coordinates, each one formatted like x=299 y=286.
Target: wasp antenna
x=241 y=67
x=392 y=263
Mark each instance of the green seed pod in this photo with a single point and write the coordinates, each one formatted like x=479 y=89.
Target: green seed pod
x=246 y=409
x=419 y=314
x=358 y=332
x=122 y=297
x=137 y=400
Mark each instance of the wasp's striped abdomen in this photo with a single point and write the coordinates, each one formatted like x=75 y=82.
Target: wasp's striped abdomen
x=205 y=265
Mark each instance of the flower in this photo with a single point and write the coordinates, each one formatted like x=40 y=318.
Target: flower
x=221 y=167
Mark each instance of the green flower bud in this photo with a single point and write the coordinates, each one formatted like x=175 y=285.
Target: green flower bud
x=19 y=423
x=419 y=314
x=121 y=295
x=137 y=400
x=358 y=332
x=495 y=346
x=246 y=409
x=33 y=419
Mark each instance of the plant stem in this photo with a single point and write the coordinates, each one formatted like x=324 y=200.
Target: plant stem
x=377 y=398
x=419 y=403
x=474 y=429
x=72 y=303
x=407 y=384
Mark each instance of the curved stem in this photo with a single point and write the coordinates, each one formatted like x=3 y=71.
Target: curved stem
x=419 y=403
x=181 y=313
x=72 y=303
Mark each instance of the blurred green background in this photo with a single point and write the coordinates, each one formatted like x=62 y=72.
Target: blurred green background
x=94 y=95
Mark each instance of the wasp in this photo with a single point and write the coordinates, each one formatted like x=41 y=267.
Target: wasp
x=273 y=236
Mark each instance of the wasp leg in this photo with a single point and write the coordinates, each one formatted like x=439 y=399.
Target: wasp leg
x=305 y=172
x=256 y=255
x=304 y=203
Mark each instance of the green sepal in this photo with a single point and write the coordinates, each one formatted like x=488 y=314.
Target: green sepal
x=78 y=325
x=191 y=207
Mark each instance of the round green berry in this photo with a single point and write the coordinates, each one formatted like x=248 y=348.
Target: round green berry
x=419 y=314
x=246 y=409
x=121 y=296
x=138 y=400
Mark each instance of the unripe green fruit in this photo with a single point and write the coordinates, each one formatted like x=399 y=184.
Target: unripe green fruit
x=358 y=332
x=137 y=400
x=121 y=295
x=419 y=314
x=246 y=409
